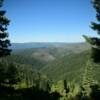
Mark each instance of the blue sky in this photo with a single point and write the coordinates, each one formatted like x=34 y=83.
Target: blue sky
x=49 y=20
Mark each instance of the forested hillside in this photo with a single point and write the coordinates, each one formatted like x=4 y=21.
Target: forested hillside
x=70 y=67
x=40 y=57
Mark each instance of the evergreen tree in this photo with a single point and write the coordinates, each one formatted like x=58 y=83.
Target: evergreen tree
x=4 y=41
x=95 y=41
x=8 y=72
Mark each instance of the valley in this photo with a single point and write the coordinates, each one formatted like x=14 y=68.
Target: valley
x=65 y=60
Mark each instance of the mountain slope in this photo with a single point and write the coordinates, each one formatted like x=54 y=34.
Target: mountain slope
x=40 y=54
x=70 y=67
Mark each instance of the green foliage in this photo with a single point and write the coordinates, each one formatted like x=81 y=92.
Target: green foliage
x=88 y=39
x=95 y=41
x=76 y=91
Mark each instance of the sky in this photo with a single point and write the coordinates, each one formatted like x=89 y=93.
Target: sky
x=49 y=20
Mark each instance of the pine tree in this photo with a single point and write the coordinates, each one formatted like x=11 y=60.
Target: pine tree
x=4 y=41
x=95 y=41
x=8 y=72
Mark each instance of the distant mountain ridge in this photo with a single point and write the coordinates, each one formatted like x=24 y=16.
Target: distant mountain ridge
x=42 y=45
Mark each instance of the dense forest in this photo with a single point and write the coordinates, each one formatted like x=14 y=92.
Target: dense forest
x=50 y=71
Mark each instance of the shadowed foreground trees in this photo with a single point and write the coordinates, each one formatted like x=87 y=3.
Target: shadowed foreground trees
x=32 y=93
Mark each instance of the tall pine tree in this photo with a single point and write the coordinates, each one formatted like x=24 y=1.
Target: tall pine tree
x=95 y=41
x=8 y=72
x=4 y=41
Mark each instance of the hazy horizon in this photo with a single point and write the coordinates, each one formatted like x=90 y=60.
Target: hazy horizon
x=50 y=42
